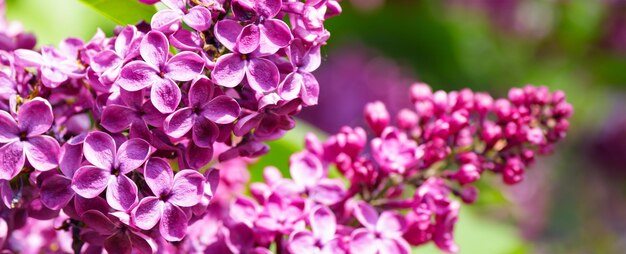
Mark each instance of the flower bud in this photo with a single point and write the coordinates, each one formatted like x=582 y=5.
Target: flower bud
x=468 y=173
x=377 y=116
x=407 y=119
x=420 y=92
x=469 y=194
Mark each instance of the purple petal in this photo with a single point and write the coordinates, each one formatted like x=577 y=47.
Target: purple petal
x=323 y=223
x=137 y=75
x=186 y=40
x=116 y=118
x=303 y=242
x=327 y=191
x=166 y=21
x=98 y=222
x=28 y=58
x=118 y=243
x=147 y=214
x=240 y=238
x=105 y=60
x=179 y=123
x=71 y=156
x=289 y=89
x=89 y=181
x=154 y=49
x=307 y=60
x=212 y=181
x=268 y=8
x=305 y=169
x=391 y=224
x=142 y=243
x=82 y=205
x=198 y=18
x=394 y=246
x=42 y=152
x=159 y=176
x=8 y=128
x=204 y=132
x=275 y=34
x=201 y=91
x=35 y=117
x=99 y=149
x=188 y=188
x=198 y=157
x=248 y=40
x=262 y=75
x=366 y=215
x=227 y=31
x=229 y=70
x=56 y=192
x=6 y=192
x=311 y=90
x=184 y=66
x=222 y=110
x=247 y=123
x=165 y=95
x=363 y=242
x=244 y=210
x=132 y=154
x=127 y=42
x=52 y=77
x=173 y=225
x=122 y=193
x=152 y=116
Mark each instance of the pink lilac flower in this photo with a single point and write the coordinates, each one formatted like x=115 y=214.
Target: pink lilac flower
x=171 y=195
x=304 y=59
x=159 y=71
x=382 y=234
x=108 y=169
x=168 y=20
x=23 y=139
x=321 y=238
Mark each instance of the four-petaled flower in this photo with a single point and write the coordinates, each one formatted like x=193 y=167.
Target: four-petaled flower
x=381 y=234
x=322 y=239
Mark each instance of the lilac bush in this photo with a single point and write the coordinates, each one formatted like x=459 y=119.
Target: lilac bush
x=140 y=142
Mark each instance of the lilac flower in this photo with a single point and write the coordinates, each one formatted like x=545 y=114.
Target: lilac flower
x=308 y=173
x=395 y=152
x=135 y=113
x=240 y=240
x=171 y=194
x=110 y=166
x=304 y=59
x=56 y=66
x=108 y=63
x=168 y=20
x=159 y=71
x=56 y=190
x=270 y=121
x=206 y=109
x=114 y=236
x=322 y=239
x=245 y=60
x=382 y=234
x=24 y=140
x=280 y=215
x=274 y=34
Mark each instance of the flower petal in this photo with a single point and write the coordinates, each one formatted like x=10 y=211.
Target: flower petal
x=8 y=128
x=137 y=75
x=366 y=215
x=116 y=118
x=98 y=222
x=267 y=8
x=363 y=242
x=229 y=70
x=188 y=188
x=184 y=66
x=275 y=34
x=35 y=117
x=305 y=169
x=28 y=58
x=226 y=32
x=132 y=154
x=303 y=242
x=42 y=152
x=166 y=21
x=122 y=193
x=289 y=89
x=391 y=224
x=247 y=123
x=165 y=95
x=173 y=225
x=11 y=160
x=154 y=49
x=105 y=60
x=198 y=157
x=99 y=149
x=142 y=243
x=222 y=110
x=310 y=90
x=394 y=246
x=89 y=181
x=159 y=176
x=198 y=18
x=323 y=223
x=56 y=192
x=204 y=132
x=147 y=213
x=201 y=91
x=118 y=243
x=179 y=123
x=248 y=40
x=262 y=75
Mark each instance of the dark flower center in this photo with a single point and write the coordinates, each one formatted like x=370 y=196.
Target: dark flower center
x=23 y=136
x=165 y=196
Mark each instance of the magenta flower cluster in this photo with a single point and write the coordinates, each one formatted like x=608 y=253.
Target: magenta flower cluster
x=397 y=186
x=114 y=135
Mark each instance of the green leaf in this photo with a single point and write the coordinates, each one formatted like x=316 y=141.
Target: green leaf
x=122 y=12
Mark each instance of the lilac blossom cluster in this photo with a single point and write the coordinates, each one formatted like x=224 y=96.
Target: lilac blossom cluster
x=114 y=135
x=392 y=188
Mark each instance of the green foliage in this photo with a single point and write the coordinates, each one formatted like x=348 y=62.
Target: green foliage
x=122 y=12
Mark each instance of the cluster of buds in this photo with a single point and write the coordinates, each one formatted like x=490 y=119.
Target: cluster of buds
x=114 y=134
x=395 y=187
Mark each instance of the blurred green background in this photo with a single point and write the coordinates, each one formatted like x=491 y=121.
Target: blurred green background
x=572 y=202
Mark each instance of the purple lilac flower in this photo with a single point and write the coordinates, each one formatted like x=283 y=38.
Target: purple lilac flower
x=382 y=234
x=159 y=71
x=115 y=236
x=23 y=139
x=171 y=195
x=108 y=169
x=168 y=20
x=321 y=238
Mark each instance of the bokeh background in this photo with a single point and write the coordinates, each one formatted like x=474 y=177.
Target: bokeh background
x=571 y=202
